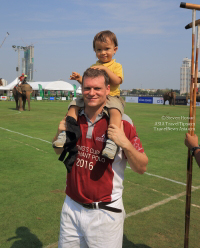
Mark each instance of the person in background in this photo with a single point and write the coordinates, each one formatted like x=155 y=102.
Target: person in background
x=192 y=143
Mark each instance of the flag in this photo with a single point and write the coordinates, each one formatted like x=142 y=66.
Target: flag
x=74 y=90
x=40 y=89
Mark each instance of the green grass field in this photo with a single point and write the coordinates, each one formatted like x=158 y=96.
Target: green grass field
x=33 y=180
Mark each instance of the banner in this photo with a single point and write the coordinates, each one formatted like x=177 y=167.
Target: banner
x=41 y=91
x=131 y=99
x=158 y=100
x=181 y=100
x=3 y=97
x=74 y=90
x=144 y=99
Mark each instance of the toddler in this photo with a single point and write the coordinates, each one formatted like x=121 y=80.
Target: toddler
x=105 y=46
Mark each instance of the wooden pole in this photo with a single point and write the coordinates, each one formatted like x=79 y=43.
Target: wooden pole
x=190 y=131
x=196 y=76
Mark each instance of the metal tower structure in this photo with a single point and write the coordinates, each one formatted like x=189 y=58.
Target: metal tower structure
x=28 y=62
x=19 y=48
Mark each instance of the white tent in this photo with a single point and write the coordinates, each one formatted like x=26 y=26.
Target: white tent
x=79 y=90
x=54 y=85
x=9 y=86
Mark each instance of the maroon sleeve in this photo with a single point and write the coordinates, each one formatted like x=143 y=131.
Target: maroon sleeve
x=131 y=134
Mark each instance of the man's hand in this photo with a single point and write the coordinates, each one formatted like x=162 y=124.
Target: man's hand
x=137 y=161
x=76 y=76
x=191 y=141
x=117 y=135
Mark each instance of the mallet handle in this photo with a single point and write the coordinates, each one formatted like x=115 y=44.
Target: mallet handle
x=197 y=22
x=189 y=6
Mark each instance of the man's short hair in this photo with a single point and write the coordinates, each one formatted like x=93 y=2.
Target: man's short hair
x=94 y=73
x=103 y=35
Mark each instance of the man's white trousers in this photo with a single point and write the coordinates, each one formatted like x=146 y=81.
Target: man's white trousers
x=90 y=228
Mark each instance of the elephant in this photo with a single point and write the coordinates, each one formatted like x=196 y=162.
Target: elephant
x=170 y=96
x=21 y=93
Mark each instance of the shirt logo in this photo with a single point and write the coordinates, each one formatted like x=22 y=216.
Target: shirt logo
x=102 y=138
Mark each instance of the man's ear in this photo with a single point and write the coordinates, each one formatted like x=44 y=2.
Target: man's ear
x=108 y=89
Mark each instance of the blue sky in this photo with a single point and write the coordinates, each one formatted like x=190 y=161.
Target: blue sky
x=151 y=36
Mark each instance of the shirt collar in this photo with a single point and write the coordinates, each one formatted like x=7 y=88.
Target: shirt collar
x=99 y=116
x=106 y=64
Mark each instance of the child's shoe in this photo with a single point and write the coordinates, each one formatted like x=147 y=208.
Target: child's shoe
x=59 y=143
x=110 y=149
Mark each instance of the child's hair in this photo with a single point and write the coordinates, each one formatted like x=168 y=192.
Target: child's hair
x=101 y=36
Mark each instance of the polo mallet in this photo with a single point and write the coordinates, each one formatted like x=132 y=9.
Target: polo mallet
x=190 y=6
x=4 y=39
x=192 y=115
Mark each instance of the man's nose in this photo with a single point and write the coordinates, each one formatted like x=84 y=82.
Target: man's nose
x=91 y=91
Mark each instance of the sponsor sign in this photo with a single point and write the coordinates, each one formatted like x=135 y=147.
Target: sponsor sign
x=131 y=99
x=158 y=100
x=39 y=98
x=197 y=103
x=3 y=97
x=180 y=102
x=63 y=98
x=145 y=99
x=52 y=98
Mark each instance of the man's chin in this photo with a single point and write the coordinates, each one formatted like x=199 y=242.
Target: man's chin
x=94 y=105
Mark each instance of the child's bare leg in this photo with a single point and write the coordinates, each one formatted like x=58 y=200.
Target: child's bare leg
x=72 y=117
x=115 y=117
x=73 y=112
x=111 y=148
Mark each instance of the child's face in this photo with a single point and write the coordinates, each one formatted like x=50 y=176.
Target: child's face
x=105 y=50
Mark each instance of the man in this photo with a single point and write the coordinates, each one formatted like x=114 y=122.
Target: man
x=93 y=213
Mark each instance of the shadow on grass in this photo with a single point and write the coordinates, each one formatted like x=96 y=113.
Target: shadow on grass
x=13 y=109
x=128 y=244
x=25 y=239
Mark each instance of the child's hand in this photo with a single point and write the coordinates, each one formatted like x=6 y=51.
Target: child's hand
x=75 y=76
x=99 y=67
x=62 y=125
